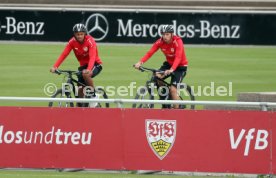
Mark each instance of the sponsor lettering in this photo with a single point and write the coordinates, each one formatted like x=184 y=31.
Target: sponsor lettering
x=261 y=142
x=206 y=30
x=12 y=26
x=53 y=136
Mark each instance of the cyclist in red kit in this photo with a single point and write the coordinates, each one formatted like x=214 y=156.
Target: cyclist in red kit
x=86 y=52
x=176 y=62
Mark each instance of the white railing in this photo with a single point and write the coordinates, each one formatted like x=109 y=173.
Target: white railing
x=120 y=102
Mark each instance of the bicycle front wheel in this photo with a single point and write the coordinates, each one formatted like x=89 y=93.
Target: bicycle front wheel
x=61 y=94
x=142 y=94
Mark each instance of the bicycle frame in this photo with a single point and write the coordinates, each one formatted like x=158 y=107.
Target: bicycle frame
x=155 y=80
x=71 y=89
x=72 y=81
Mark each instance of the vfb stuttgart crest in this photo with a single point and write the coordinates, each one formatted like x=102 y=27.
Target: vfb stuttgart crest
x=161 y=135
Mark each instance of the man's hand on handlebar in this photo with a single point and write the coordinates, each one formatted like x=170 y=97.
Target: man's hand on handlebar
x=138 y=65
x=163 y=73
x=168 y=72
x=53 y=69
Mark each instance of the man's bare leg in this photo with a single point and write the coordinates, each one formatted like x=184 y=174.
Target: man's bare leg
x=88 y=81
x=174 y=95
x=80 y=95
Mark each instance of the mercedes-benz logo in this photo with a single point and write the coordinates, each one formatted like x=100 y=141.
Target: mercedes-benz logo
x=97 y=26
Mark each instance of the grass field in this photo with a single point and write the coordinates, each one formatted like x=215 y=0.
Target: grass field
x=86 y=174
x=25 y=68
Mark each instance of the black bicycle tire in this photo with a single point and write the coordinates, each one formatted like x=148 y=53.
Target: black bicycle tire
x=59 y=91
x=191 y=96
x=137 y=96
x=104 y=95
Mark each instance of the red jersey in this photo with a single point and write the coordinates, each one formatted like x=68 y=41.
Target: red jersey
x=86 y=52
x=174 y=52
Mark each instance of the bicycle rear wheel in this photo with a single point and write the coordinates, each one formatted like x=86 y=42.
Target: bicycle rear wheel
x=102 y=95
x=186 y=93
x=61 y=94
x=143 y=93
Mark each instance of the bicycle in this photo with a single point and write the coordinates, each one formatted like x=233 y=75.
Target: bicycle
x=69 y=89
x=147 y=91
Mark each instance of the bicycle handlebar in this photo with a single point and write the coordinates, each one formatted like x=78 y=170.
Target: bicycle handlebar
x=58 y=71
x=142 y=69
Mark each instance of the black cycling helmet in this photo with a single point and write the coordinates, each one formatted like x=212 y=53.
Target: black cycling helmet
x=167 y=29
x=79 y=27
